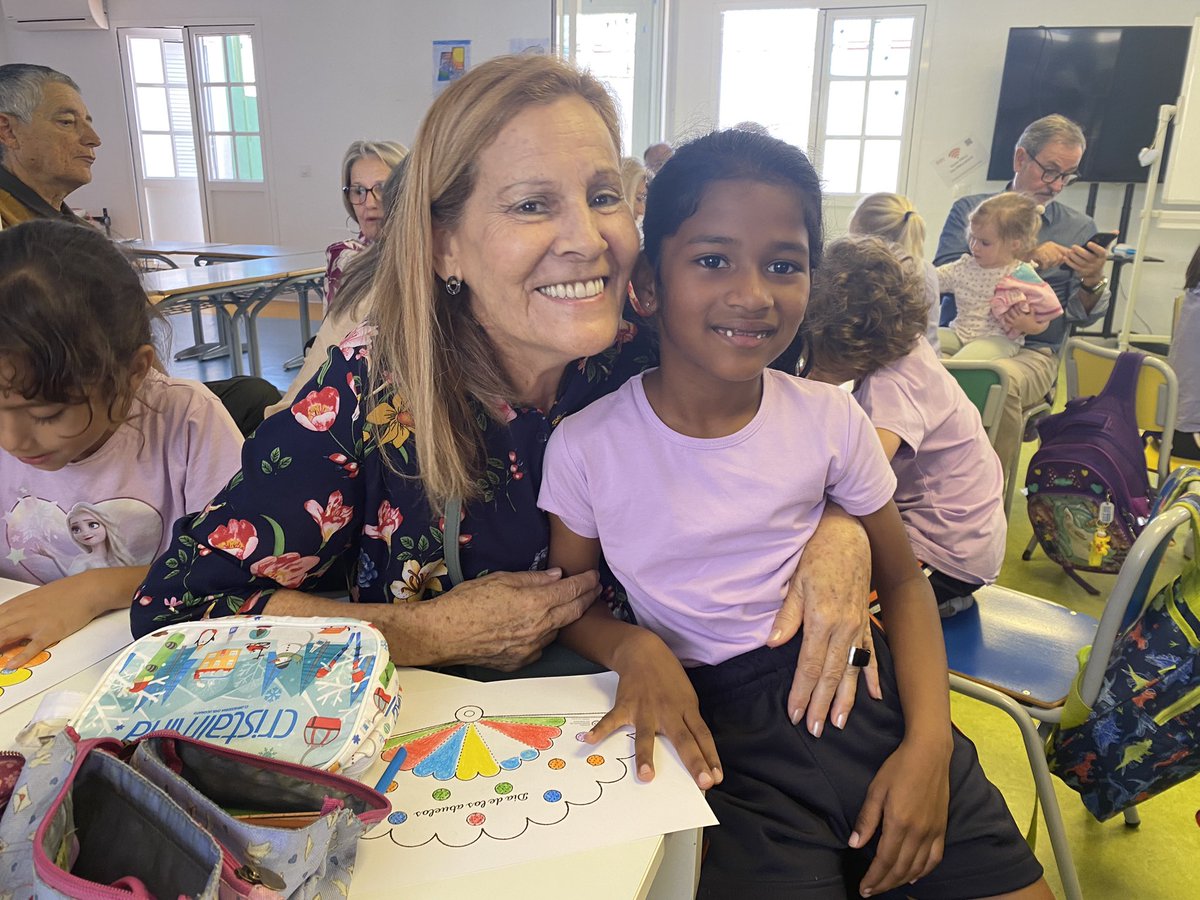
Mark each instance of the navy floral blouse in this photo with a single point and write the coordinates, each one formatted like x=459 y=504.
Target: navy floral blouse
x=314 y=492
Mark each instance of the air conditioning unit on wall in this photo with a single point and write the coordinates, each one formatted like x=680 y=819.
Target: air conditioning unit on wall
x=55 y=15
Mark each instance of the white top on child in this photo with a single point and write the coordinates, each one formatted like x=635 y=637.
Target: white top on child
x=116 y=506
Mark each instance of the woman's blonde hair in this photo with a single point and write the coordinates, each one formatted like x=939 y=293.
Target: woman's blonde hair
x=893 y=218
x=632 y=172
x=430 y=348
x=1015 y=218
x=390 y=153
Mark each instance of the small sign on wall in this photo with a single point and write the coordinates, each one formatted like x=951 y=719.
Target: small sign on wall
x=451 y=59
x=958 y=161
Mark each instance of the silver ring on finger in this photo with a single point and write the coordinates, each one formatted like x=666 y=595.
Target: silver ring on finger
x=859 y=657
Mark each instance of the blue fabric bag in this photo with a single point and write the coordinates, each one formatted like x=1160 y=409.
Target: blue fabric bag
x=1142 y=735
x=170 y=816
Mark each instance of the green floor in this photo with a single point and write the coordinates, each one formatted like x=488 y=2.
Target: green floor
x=1159 y=859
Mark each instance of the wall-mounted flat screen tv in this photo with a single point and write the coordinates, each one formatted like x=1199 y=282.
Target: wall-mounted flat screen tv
x=1111 y=80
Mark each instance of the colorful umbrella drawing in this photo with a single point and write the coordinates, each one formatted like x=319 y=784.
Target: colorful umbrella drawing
x=474 y=744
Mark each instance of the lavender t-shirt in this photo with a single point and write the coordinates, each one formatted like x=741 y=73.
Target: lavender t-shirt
x=705 y=534
x=949 y=483
x=116 y=507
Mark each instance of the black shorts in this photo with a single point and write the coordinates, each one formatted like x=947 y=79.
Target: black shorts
x=788 y=801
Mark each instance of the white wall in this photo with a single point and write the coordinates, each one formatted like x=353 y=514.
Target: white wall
x=965 y=42
x=333 y=72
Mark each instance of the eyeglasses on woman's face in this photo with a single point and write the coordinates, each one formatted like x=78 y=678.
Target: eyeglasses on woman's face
x=358 y=193
x=1050 y=174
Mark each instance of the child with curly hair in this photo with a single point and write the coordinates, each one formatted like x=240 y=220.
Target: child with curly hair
x=864 y=324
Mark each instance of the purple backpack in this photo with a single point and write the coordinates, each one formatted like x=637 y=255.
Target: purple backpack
x=1087 y=487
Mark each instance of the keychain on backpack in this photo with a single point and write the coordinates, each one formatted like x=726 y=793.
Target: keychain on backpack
x=1101 y=539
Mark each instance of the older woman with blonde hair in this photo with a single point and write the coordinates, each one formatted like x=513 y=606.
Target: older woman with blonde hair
x=413 y=458
x=365 y=169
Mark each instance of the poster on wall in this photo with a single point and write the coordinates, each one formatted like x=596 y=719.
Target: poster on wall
x=451 y=59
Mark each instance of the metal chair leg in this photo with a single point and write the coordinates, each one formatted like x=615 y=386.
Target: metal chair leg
x=1035 y=749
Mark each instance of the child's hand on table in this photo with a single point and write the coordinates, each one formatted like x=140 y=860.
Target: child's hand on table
x=47 y=614
x=655 y=696
x=908 y=799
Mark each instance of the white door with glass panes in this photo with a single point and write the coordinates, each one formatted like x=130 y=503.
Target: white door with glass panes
x=162 y=127
x=226 y=77
x=620 y=42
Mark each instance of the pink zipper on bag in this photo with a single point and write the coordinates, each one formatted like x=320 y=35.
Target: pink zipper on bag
x=59 y=880
x=380 y=805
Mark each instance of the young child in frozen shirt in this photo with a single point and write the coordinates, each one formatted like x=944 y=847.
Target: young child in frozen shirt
x=99 y=451
x=863 y=326
x=702 y=480
x=999 y=297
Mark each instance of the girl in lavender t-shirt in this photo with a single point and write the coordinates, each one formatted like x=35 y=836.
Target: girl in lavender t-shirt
x=863 y=326
x=99 y=451
x=702 y=480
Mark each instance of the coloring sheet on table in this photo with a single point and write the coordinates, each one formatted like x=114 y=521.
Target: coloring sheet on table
x=497 y=774
x=72 y=654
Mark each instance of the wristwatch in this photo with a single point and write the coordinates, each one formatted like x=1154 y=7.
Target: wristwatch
x=1097 y=288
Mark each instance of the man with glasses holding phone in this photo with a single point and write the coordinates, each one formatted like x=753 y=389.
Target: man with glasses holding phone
x=1045 y=161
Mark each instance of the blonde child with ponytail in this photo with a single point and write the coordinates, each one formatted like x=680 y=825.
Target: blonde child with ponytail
x=894 y=218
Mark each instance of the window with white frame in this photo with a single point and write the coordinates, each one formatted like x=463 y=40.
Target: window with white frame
x=229 y=103
x=621 y=43
x=869 y=64
x=838 y=82
x=164 y=114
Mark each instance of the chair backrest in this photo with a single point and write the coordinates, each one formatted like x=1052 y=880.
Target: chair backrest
x=1088 y=366
x=986 y=386
x=1130 y=593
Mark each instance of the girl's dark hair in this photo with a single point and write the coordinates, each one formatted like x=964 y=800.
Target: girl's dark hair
x=732 y=155
x=1192 y=278
x=867 y=307
x=72 y=315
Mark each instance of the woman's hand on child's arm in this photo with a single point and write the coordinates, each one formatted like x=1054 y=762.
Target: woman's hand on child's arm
x=828 y=596
x=47 y=614
x=654 y=694
x=910 y=797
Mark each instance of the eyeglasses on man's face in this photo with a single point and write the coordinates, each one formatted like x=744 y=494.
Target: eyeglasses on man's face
x=1051 y=174
x=358 y=194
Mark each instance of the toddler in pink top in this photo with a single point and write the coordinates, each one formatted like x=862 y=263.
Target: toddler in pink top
x=100 y=452
x=702 y=480
x=998 y=296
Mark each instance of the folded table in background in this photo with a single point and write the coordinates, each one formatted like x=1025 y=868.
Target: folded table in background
x=239 y=291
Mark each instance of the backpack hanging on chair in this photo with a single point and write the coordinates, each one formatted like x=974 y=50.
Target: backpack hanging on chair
x=1087 y=487
x=1141 y=735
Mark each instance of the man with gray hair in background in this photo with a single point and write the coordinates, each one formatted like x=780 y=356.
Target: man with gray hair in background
x=1045 y=160
x=47 y=143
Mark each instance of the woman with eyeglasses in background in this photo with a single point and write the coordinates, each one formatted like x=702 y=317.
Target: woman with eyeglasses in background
x=365 y=168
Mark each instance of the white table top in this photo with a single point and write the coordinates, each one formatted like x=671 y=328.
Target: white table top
x=168 y=283
x=605 y=873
